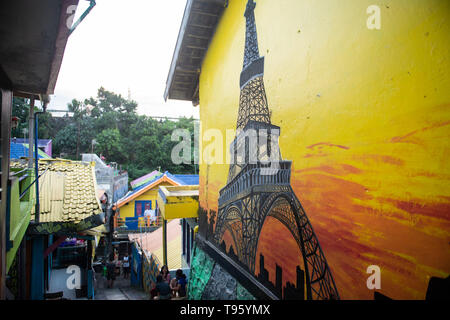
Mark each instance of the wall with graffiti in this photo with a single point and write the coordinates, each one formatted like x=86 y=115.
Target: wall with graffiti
x=120 y=186
x=358 y=121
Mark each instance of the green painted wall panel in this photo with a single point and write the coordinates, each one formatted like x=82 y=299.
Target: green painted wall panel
x=201 y=268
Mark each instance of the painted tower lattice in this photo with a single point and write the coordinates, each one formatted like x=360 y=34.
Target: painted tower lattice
x=258 y=189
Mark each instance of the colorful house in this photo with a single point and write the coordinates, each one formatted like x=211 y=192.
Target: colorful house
x=347 y=110
x=143 y=196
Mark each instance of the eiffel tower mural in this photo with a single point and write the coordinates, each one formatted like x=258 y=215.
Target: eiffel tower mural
x=257 y=189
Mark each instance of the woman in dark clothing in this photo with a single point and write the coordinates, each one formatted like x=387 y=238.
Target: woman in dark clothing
x=162 y=289
x=165 y=274
x=181 y=283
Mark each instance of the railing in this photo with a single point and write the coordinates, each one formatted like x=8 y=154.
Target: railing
x=24 y=191
x=20 y=206
x=118 y=222
x=146 y=222
x=25 y=178
x=254 y=175
x=136 y=224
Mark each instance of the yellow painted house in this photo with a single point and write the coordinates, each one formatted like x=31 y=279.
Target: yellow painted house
x=356 y=97
x=146 y=199
x=143 y=197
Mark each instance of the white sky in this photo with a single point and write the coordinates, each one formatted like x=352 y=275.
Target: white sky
x=121 y=45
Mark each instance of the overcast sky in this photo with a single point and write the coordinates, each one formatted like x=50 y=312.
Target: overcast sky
x=123 y=45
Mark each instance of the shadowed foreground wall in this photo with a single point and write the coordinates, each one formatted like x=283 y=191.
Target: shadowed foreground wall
x=210 y=282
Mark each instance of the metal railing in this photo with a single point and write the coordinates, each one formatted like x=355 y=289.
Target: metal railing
x=142 y=224
x=22 y=193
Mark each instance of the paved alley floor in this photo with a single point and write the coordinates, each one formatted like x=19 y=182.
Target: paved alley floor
x=121 y=290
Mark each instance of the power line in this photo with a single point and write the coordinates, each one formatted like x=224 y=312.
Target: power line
x=66 y=111
x=172 y=118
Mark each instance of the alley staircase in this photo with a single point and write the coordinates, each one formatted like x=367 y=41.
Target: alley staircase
x=121 y=290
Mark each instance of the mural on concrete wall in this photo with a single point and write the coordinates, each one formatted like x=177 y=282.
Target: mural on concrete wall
x=258 y=187
x=120 y=186
x=366 y=126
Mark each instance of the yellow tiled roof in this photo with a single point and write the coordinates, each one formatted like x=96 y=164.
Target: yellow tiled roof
x=67 y=191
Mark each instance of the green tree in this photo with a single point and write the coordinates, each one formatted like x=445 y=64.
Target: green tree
x=66 y=141
x=109 y=145
x=139 y=143
x=20 y=110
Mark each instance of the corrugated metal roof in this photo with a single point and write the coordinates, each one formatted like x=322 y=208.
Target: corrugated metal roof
x=41 y=142
x=19 y=150
x=152 y=242
x=173 y=253
x=188 y=179
x=144 y=180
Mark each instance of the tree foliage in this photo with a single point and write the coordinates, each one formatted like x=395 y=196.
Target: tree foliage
x=109 y=126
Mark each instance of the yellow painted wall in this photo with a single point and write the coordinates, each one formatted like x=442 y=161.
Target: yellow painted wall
x=178 y=202
x=364 y=116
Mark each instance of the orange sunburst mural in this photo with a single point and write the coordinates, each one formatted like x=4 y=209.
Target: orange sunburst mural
x=369 y=160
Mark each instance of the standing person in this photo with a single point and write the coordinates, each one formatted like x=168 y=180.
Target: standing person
x=111 y=272
x=147 y=215
x=162 y=289
x=153 y=218
x=126 y=265
x=165 y=274
x=116 y=262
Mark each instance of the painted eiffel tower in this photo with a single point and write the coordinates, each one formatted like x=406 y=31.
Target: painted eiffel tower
x=258 y=184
